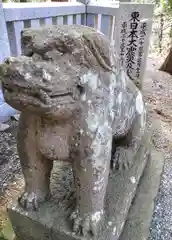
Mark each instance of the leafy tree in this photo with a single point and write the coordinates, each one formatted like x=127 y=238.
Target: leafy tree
x=167 y=65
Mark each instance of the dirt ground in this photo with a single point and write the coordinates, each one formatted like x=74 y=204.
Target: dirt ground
x=158 y=96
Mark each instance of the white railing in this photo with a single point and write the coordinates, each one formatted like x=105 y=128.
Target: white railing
x=127 y=25
x=25 y=15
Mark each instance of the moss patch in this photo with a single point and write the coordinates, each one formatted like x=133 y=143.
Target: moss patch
x=7 y=232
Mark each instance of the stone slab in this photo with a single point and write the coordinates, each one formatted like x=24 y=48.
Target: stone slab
x=138 y=17
x=51 y=221
x=141 y=211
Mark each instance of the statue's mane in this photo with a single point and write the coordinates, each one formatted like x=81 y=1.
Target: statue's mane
x=84 y=45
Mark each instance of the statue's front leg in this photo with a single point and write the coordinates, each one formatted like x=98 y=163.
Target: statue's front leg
x=91 y=180
x=35 y=167
x=91 y=177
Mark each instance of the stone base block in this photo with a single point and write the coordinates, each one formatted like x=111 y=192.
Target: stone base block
x=142 y=208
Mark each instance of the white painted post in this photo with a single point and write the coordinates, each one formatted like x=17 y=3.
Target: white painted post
x=98 y=22
x=91 y=20
x=4 y=42
x=133 y=26
x=48 y=21
x=35 y=23
x=106 y=22
x=69 y=19
x=14 y=30
x=78 y=19
x=60 y=20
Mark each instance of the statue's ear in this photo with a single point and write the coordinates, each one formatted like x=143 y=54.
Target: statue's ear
x=26 y=43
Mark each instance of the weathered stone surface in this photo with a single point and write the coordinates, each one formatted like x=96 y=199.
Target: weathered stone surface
x=141 y=211
x=7 y=232
x=76 y=104
x=50 y=222
x=140 y=214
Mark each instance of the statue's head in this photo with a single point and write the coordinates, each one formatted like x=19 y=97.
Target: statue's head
x=46 y=78
x=39 y=87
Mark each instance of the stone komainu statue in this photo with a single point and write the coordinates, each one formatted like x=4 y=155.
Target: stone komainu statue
x=76 y=104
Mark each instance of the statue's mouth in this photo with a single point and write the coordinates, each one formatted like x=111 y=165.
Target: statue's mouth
x=36 y=96
x=25 y=94
x=34 y=92
x=62 y=94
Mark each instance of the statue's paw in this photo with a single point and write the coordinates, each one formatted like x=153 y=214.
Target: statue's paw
x=86 y=226
x=122 y=158
x=31 y=200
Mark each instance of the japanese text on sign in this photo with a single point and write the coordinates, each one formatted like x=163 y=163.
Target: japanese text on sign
x=132 y=44
x=143 y=29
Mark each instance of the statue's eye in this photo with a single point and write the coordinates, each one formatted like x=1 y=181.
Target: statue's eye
x=80 y=88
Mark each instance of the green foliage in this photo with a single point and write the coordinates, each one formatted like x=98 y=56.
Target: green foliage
x=168 y=5
x=7 y=233
x=165 y=6
x=161 y=6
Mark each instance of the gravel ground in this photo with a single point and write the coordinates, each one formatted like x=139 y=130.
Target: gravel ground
x=158 y=95
x=9 y=161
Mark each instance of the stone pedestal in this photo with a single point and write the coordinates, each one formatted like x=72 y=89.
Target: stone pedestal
x=125 y=219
